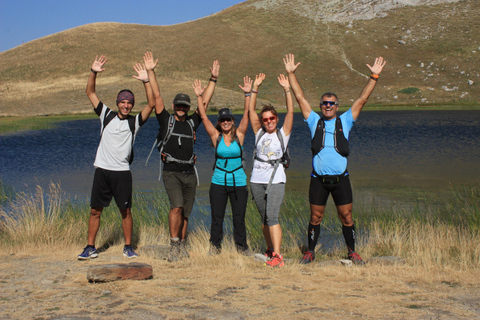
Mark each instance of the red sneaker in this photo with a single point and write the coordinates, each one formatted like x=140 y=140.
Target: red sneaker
x=269 y=253
x=355 y=258
x=307 y=257
x=275 y=261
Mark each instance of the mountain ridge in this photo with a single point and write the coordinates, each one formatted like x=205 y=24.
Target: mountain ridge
x=431 y=46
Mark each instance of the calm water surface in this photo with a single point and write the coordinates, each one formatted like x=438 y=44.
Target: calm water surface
x=390 y=152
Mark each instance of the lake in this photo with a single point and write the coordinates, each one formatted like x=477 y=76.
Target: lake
x=393 y=153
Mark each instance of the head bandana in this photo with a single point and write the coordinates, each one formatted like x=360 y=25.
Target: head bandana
x=125 y=95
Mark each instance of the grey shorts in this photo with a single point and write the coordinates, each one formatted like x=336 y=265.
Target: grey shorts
x=181 y=188
x=268 y=206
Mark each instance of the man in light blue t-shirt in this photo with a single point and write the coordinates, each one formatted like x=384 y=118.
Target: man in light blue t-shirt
x=330 y=149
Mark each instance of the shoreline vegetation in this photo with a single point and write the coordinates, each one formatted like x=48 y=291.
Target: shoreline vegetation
x=443 y=234
x=15 y=124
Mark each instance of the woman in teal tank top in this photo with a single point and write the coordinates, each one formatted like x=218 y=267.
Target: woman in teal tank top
x=229 y=180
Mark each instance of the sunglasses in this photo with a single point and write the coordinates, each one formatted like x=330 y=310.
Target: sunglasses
x=326 y=103
x=225 y=119
x=265 y=120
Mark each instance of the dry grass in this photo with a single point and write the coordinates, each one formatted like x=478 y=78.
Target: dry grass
x=41 y=234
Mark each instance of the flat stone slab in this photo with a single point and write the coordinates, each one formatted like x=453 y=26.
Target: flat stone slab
x=155 y=251
x=119 y=271
x=343 y=262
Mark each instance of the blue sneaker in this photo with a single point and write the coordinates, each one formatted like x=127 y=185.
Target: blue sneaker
x=128 y=252
x=88 y=253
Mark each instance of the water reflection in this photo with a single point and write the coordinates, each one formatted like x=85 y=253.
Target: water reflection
x=419 y=150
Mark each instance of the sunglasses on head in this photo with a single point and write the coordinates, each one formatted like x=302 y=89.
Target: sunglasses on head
x=271 y=119
x=326 y=103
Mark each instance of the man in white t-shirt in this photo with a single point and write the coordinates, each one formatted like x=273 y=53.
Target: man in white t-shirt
x=115 y=153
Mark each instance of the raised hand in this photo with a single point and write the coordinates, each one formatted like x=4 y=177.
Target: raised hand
x=150 y=64
x=97 y=65
x=289 y=62
x=142 y=74
x=197 y=87
x=377 y=66
x=215 y=70
x=284 y=82
x=259 y=79
x=247 y=84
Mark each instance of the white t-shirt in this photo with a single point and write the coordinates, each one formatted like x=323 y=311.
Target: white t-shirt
x=269 y=148
x=116 y=143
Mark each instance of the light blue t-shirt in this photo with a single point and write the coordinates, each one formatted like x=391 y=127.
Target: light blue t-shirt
x=328 y=161
x=229 y=164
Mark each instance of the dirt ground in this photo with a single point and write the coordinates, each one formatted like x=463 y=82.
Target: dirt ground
x=53 y=285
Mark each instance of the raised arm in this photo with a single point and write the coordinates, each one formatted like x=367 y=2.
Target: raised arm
x=254 y=118
x=291 y=67
x=375 y=70
x=202 y=111
x=214 y=73
x=243 y=126
x=97 y=67
x=288 y=123
x=142 y=75
x=150 y=65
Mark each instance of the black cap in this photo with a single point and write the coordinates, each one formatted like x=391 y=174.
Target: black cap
x=225 y=113
x=182 y=98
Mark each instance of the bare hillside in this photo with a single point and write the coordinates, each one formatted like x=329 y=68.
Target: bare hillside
x=432 y=48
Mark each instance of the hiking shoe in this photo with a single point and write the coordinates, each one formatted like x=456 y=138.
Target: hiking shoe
x=269 y=253
x=174 y=254
x=355 y=258
x=308 y=257
x=247 y=252
x=88 y=253
x=128 y=252
x=213 y=251
x=276 y=261
x=183 y=249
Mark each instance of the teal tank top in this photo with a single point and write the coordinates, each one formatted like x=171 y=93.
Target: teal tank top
x=229 y=170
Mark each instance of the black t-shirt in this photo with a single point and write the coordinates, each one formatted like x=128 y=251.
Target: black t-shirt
x=172 y=147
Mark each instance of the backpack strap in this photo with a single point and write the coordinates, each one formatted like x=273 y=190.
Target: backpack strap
x=109 y=116
x=340 y=142
x=131 y=124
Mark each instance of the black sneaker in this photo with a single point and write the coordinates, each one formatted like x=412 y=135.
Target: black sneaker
x=213 y=251
x=308 y=257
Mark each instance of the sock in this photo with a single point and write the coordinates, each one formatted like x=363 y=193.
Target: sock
x=349 y=235
x=312 y=234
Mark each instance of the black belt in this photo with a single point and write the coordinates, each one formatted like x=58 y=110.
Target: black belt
x=330 y=179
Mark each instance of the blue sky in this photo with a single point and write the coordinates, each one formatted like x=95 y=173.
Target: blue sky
x=26 y=20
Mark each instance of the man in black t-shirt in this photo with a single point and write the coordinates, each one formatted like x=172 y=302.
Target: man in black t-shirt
x=179 y=175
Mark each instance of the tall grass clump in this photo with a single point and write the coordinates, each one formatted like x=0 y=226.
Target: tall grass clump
x=38 y=218
x=441 y=234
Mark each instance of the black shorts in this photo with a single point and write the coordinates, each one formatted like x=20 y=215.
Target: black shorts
x=341 y=192
x=108 y=184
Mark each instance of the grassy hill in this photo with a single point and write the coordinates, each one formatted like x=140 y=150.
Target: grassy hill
x=433 y=54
